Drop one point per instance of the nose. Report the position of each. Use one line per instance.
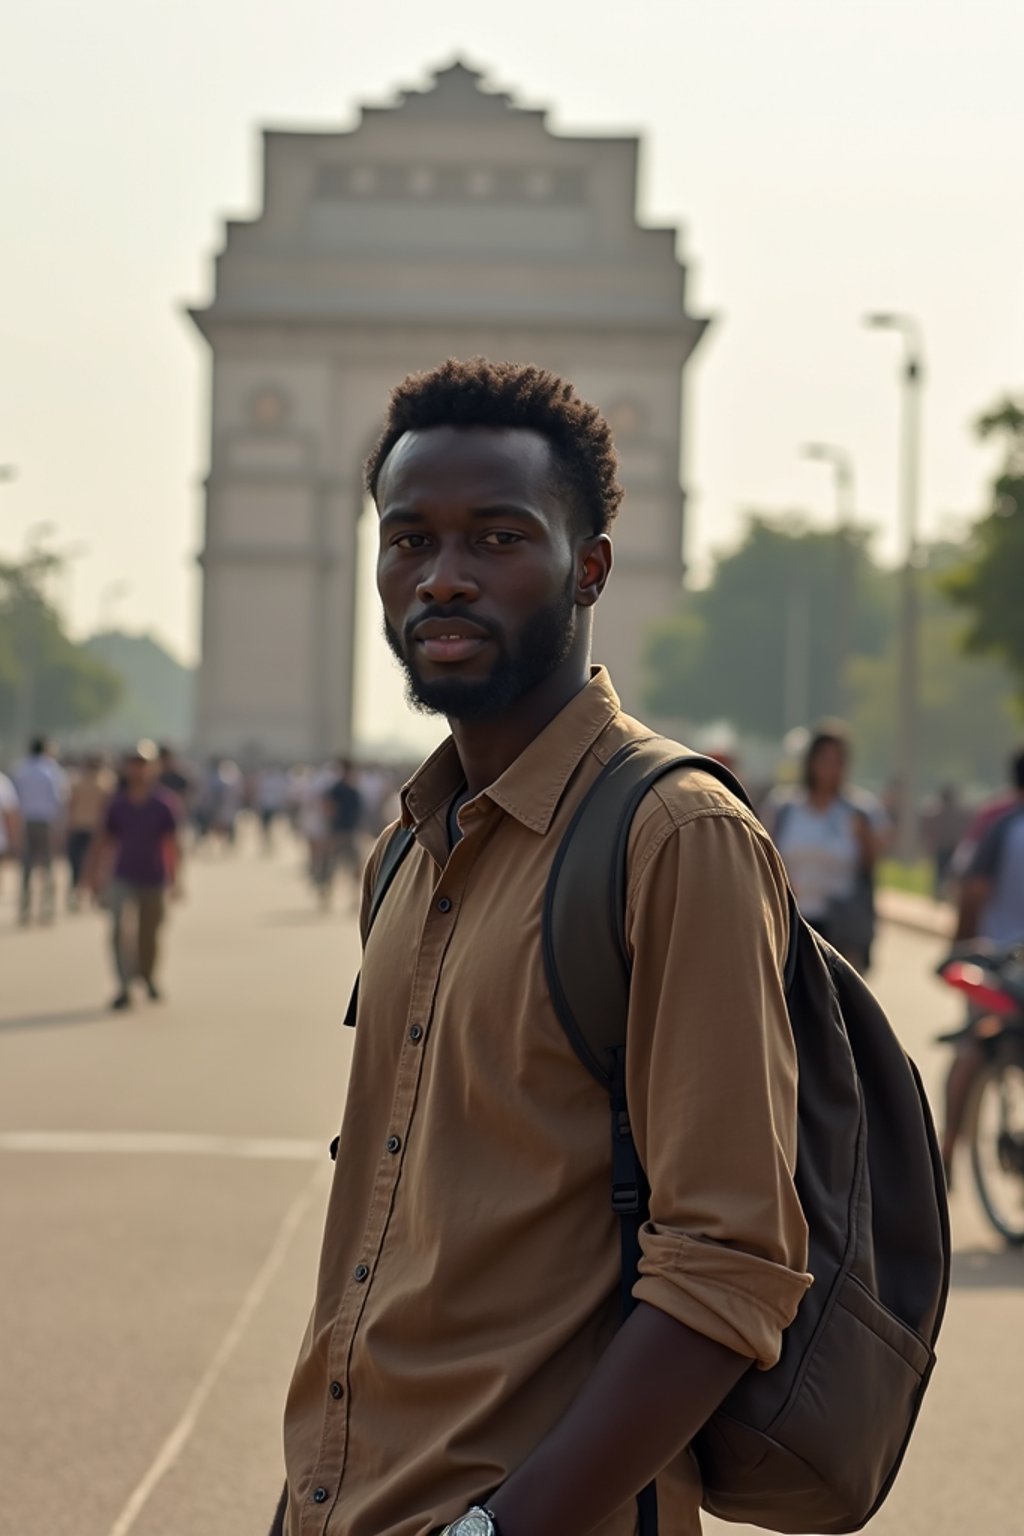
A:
(445, 580)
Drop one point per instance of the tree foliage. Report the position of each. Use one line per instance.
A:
(48, 683)
(722, 656)
(989, 584)
(724, 653)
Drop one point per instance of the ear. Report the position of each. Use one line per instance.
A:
(593, 567)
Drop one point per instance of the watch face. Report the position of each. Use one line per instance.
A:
(476, 1523)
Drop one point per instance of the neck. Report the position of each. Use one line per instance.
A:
(822, 797)
(487, 747)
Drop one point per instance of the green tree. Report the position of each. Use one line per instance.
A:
(728, 651)
(989, 584)
(723, 656)
(47, 682)
(967, 721)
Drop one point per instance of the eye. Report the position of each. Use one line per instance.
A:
(498, 537)
(409, 541)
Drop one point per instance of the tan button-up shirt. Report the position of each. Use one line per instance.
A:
(470, 1264)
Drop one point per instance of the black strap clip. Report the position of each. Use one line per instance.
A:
(625, 1199)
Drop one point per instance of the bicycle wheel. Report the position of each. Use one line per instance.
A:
(997, 1146)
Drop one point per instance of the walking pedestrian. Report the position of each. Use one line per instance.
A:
(140, 847)
(345, 812)
(463, 1366)
(172, 775)
(10, 821)
(315, 827)
(42, 790)
(91, 786)
(830, 836)
(272, 788)
(944, 822)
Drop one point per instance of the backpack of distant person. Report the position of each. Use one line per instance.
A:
(813, 1444)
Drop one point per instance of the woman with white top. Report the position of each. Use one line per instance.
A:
(830, 837)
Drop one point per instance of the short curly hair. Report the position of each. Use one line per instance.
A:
(478, 393)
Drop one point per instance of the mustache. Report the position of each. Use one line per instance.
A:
(451, 611)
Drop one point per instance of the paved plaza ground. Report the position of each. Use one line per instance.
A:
(162, 1183)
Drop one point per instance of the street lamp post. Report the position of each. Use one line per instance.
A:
(842, 469)
(910, 460)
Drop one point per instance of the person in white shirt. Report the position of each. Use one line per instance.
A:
(10, 820)
(830, 836)
(42, 789)
(272, 788)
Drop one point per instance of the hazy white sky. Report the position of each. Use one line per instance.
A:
(822, 157)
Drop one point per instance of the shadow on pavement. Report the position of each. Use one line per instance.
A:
(55, 1020)
(988, 1269)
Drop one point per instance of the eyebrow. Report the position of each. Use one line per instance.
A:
(500, 509)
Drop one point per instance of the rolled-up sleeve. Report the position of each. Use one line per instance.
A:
(711, 1081)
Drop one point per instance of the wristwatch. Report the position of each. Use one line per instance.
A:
(476, 1522)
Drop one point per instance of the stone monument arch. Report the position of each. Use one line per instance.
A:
(453, 223)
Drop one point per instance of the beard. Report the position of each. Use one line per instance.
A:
(541, 648)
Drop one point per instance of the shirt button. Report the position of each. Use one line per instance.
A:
(336, 1390)
(416, 1034)
(394, 1143)
(444, 905)
(360, 1273)
(319, 1495)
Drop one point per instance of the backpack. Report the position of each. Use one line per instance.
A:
(815, 1443)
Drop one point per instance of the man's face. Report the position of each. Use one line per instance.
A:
(477, 567)
(139, 773)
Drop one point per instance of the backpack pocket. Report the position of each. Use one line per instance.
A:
(829, 1458)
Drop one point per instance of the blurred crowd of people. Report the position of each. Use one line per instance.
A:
(831, 833)
(120, 825)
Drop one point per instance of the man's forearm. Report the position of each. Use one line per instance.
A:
(656, 1386)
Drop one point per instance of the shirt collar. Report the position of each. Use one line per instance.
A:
(531, 787)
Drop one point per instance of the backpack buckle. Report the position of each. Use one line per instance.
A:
(625, 1199)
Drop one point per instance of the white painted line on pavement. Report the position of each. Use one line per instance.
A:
(182, 1431)
(259, 1148)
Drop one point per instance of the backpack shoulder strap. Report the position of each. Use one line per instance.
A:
(585, 957)
(399, 843)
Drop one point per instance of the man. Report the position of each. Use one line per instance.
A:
(42, 789)
(464, 1347)
(140, 838)
(991, 909)
(344, 809)
(172, 776)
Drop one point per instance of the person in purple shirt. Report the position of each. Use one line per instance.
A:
(139, 846)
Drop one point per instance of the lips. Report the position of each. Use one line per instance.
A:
(449, 640)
